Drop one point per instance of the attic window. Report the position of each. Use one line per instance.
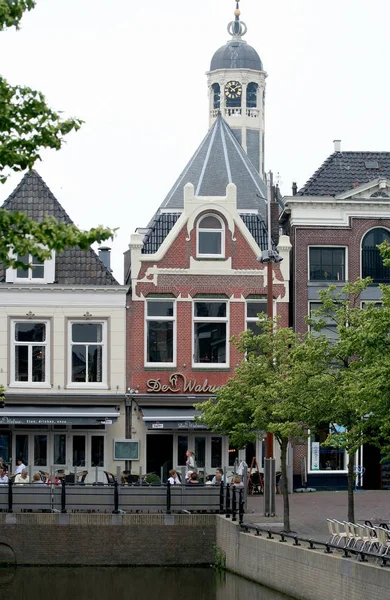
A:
(371, 164)
(37, 271)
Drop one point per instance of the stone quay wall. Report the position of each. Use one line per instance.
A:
(107, 540)
(298, 572)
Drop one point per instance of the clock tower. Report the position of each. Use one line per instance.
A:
(237, 90)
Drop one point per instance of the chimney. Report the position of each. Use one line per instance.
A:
(337, 145)
(105, 257)
(294, 188)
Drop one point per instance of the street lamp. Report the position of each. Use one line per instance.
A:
(270, 256)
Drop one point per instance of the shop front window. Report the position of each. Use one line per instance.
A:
(40, 450)
(79, 451)
(233, 455)
(21, 448)
(200, 451)
(97, 451)
(182, 447)
(216, 452)
(59, 456)
(326, 458)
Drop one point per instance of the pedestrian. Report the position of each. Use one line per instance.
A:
(190, 462)
(20, 466)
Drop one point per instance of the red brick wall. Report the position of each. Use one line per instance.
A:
(303, 237)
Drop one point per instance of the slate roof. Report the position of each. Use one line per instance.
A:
(236, 55)
(343, 171)
(220, 160)
(73, 266)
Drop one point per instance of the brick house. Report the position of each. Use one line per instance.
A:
(194, 276)
(62, 357)
(336, 221)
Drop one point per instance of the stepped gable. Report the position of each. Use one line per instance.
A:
(73, 266)
(342, 171)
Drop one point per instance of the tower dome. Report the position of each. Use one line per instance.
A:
(236, 54)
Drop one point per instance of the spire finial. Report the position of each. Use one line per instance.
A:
(237, 28)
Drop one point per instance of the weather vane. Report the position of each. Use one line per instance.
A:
(237, 28)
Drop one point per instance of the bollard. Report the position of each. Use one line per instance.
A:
(63, 496)
(234, 504)
(116, 499)
(227, 502)
(241, 507)
(168, 498)
(221, 498)
(140, 475)
(10, 496)
(269, 487)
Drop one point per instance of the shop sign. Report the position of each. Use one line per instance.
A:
(315, 456)
(54, 421)
(178, 383)
(191, 425)
(157, 425)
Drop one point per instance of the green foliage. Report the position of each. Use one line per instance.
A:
(22, 235)
(11, 12)
(219, 555)
(28, 125)
(152, 478)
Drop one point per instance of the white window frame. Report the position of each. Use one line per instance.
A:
(328, 246)
(48, 272)
(89, 385)
(309, 310)
(325, 471)
(221, 231)
(256, 319)
(211, 366)
(171, 319)
(30, 384)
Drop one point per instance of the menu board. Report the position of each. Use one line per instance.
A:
(126, 450)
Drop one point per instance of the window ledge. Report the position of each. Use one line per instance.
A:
(27, 385)
(163, 367)
(327, 472)
(87, 386)
(205, 369)
(326, 283)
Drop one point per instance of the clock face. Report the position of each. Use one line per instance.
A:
(233, 90)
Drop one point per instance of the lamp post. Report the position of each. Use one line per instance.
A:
(270, 257)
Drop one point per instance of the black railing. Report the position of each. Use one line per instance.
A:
(116, 498)
(372, 266)
(329, 548)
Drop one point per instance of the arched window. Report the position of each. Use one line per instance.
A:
(216, 95)
(372, 261)
(210, 237)
(251, 95)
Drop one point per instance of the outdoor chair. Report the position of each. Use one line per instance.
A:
(111, 479)
(333, 535)
(366, 537)
(342, 535)
(383, 541)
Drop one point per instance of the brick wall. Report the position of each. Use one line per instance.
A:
(298, 572)
(82, 539)
(303, 237)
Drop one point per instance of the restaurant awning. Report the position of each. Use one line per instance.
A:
(172, 418)
(58, 415)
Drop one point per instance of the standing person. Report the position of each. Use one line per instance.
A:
(3, 477)
(173, 478)
(20, 466)
(190, 463)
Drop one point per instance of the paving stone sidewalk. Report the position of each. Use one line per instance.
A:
(309, 511)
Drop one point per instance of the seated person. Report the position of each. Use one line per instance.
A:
(217, 479)
(237, 483)
(37, 479)
(174, 478)
(218, 472)
(22, 478)
(3, 477)
(193, 479)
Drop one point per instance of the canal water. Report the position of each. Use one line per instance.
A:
(128, 583)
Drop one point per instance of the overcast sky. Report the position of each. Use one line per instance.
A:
(135, 72)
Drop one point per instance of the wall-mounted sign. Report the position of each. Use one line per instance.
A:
(178, 383)
(126, 450)
(315, 456)
(157, 425)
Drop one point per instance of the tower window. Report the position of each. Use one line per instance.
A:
(210, 237)
(251, 95)
(216, 95)
(233, 93)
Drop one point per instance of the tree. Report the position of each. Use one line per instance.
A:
(281, 376)
(27, 126)
(358, 372)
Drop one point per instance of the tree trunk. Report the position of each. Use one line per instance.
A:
(286, 500)
(351, 488)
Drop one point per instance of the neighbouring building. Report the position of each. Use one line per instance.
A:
(194, 276)
(62, 356)
(336, 222)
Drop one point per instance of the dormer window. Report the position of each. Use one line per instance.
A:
(37, 271)
(210, 237)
